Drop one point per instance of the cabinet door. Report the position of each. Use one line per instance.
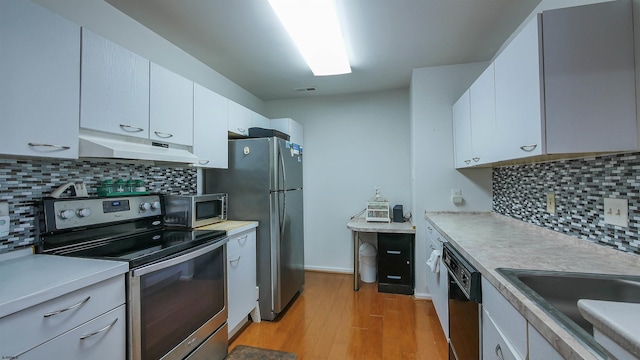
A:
(101, 338)
(494, 343)
(539, 347)
(437, 281)
(241, 270)
(115, 88)
(39, 82)
(260, 121)
(395, 262)
(519, 115)
(482, 102)
(240, 119)
(505, 317)
(462, 131)
(589, 79)
(171, 107)
(210, 113)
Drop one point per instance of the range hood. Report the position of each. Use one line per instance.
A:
(114, 147)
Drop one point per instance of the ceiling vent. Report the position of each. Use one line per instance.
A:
(306, 89)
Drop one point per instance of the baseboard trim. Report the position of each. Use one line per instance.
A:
(329, 269)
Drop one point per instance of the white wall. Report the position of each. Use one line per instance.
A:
(433, 92)
(107, 21)
(351, 145)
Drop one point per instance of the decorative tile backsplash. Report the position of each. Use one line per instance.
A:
(23, 181)
(580, 185)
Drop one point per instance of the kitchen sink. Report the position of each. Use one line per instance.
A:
(557, 293)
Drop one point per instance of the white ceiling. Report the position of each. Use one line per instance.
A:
(386, 39)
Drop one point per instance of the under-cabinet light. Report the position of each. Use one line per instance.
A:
(313, 26)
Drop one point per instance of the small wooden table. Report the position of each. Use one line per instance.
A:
(358, 225)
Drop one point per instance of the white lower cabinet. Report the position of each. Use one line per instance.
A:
(241, 278)
(100, 338)
(505, 326)
(64, 327)
(539, 347)
(494, 343)
(437, 281)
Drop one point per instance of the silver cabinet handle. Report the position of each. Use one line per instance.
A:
(394, 277)
(236, 260)
(442, 241)
(467, 162)
(67, 309)
(528, 148)
(476, 159)
(394, 252)
(84, 337)
(163, 135)
(203, 162)
(499, 352)
(132, 129)
(60, 147)
(242, 130)
(432, 247)
(243, 240)
(430, 228)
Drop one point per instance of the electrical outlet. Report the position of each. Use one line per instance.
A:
(456, 196)
(551, 203)
(616, 212)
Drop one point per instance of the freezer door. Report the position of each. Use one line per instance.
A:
(287, 248)
(288, 165)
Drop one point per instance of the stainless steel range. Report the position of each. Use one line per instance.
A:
(176, 285)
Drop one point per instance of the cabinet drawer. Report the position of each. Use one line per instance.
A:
(31, 327)
(239, 242)
(100, 338)
(494, 344)
(506, 318)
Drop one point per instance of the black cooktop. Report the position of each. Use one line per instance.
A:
(146, 247)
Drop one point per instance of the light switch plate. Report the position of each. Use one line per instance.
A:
(616, 212)
(551, 203)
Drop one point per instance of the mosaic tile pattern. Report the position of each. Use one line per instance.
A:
(580, 185)
(25, 180)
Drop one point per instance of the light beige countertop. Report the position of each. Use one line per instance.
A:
(232, 227)
(490, 241)
(30, 279)
(362, 225)
(618, 321)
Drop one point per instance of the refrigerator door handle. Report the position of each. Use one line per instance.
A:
(283, 219)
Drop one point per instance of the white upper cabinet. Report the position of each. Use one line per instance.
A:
(40, 82)
(462, 131)
(294, 129)
(115, 88)
(260, 121)
(564, 85)
(170, 107)
(589, 78)
(240, 119)
(210, 115)
(518, 96)
(482, 103)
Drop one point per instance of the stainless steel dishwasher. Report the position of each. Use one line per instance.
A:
(465, 306)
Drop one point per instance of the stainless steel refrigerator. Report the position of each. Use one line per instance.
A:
(264, 183)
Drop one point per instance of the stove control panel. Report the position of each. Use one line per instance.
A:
(77, 212)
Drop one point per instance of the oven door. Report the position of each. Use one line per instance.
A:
(177, 304)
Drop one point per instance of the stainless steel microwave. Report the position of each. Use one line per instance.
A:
(192, 211)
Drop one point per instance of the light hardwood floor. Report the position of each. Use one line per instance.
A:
(331, 321)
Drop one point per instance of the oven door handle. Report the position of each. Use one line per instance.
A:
(178, 259)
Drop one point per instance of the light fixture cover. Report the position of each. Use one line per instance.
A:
(313, 26)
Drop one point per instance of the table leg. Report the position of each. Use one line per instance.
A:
(356, 267)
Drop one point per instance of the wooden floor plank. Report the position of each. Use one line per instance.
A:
(329, 320)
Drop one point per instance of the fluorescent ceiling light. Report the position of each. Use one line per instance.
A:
(313, 26)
